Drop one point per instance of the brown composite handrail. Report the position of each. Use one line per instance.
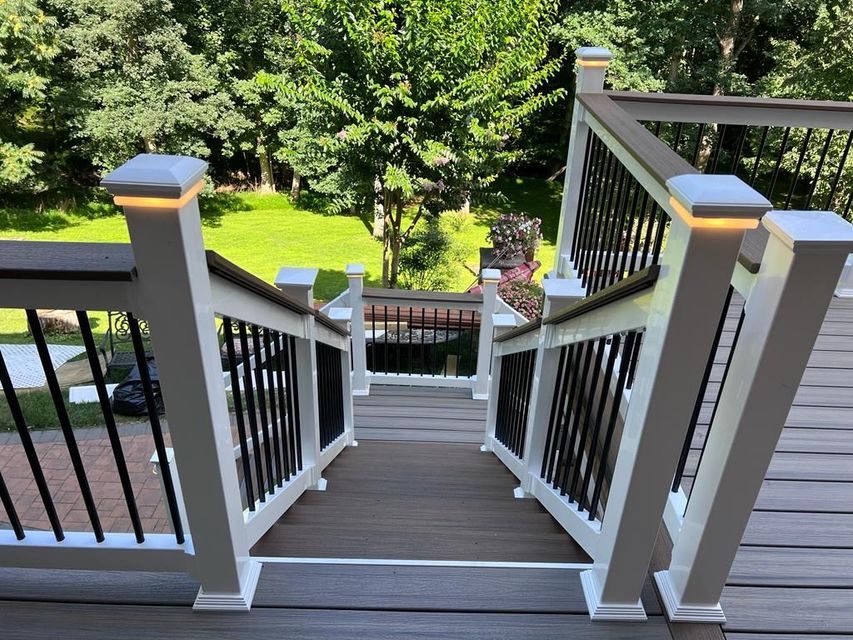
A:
(406, 295)
(644, 146)
(227, 270)
(93, 261)
(636, 282)
(687, 99)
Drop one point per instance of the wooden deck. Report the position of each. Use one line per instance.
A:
(793, 575)
(422, 501)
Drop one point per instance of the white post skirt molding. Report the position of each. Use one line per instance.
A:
(158, 194)
(802, 261)
(591, 64)
(686, 303)
(845, 282)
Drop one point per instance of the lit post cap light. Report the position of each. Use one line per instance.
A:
(490, 275)
(593, 56)
(716, 201)
(156, 181)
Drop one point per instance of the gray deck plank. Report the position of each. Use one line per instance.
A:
(798, 466)
(419, 501)
(411, 588)
(800, 440)
(768, 528)
(792, 495)
(795, 611)
(805, 567)
(28, 620)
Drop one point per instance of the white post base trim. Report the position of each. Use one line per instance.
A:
(231, 601)
(602, 611)
(479, 396)
(320, 486)
(360, 392)
(354, 443)
(680, 612)
(520, 494)
(485, 448)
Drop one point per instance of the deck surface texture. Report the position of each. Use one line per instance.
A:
(419, 414)
(317, 602)
(793, 575)
(418, 500)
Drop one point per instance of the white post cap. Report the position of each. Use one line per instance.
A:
(354, 270)
(296, 277)
(152, 175)
(563, 288)
(811, 231)
(717, 196)
(490, 275)
(593, 54)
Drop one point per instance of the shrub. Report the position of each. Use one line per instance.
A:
(514, 234)
(525, 296)
(429, 259)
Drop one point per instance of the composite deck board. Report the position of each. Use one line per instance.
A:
(779, 528)
(800, 497)
(804, 567)
(800, 440)
(28, 620)
(419, 414)
(419, 501)
(826, 467)
(788, 610)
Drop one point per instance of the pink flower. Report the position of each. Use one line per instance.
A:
(342, 134)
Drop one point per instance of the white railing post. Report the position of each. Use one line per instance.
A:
(490, 279)
(158, 194)
(591, 67)
(709, 216)
(802, 261)
(355, 278)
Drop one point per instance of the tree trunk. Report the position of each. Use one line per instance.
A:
(295, 185)
(675, 66)
(396, 244)
(267, 179)
(149, 145)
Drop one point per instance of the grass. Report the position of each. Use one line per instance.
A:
(260, 233)
(38, 410)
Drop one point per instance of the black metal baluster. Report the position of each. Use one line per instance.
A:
(283, 407)
(839, 172)
(803, 149)
(676, 138)
(738, 150)
(587, 414)
(11, 512)
(411, 356)
(639, 233)
(700, 398)
(397, 371)
(718, 149)
(650, 233)
(819, 169)
(614, 273)
(630, 231)
(446, 339)
(249, 395)
(778, 165)
(424, 369)
(758, 155)
(472, 358)
(565, 415)
(292, 406)
(434, 336)
(603, 397)
(64, 422)
(607, 176)
(633, 359)
(228, 332)
(110, 424)
(661, 220)
(518, 360)
(156, 428)
(599, 278)
(385, 336)
(593, 191)
(572, 457)
(580, 218)
(297, 418)
(602, 244)
(373, 339)
(700, 135)
(271, 393)
(611, 423)
(459, 344)
(717, 401)
(29, 450)
(262, 407)
(510, 398)
(558, 386)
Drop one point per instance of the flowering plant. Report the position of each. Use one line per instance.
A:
(525, 296)
(514, 234)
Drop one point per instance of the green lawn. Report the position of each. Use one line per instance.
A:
(261, 233)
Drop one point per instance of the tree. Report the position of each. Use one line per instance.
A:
(139, 87)
(27, 48)
(413, 102)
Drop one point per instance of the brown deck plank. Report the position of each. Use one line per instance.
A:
(805, 567)
(788, 610)
(419, 501)
(28, 620)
